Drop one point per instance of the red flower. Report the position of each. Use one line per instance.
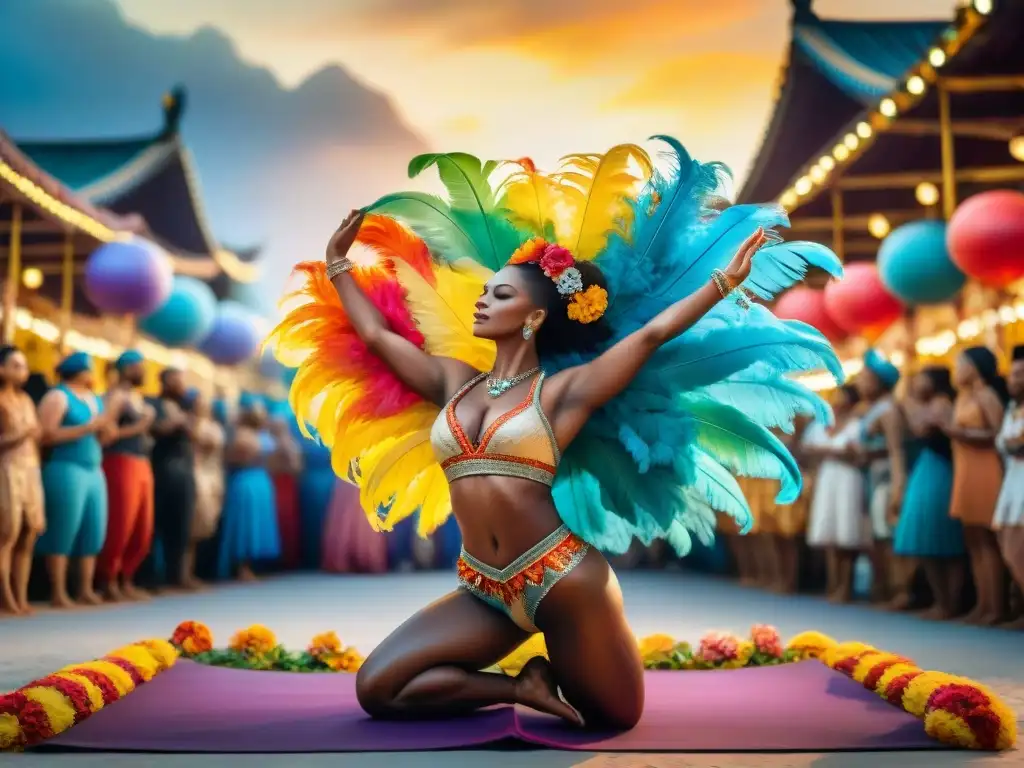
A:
(72, 691)
(555, 260)
(128, 667)
(107, 688)
(872, 677)
(894, 691)
(972, 706)
(35, 723)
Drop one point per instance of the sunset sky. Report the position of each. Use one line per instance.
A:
(538, 77)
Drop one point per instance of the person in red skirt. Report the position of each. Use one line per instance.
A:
(285, 466)
(129, 477)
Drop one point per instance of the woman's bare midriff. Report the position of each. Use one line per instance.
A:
(502, 517)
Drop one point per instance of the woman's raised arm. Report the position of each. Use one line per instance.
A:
(586, 388)
(433, 378)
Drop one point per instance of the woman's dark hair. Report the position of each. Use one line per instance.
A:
(940, 379)
(985, 363)
(6, 350)
(851, 392)
(560, 335)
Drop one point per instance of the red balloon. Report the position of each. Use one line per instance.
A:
(808, 306)
(859, 303)
(985, 237)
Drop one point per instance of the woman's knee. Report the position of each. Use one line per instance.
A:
(374, 689)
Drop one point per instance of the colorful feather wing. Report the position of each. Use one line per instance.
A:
(535, 202)
(360, 409)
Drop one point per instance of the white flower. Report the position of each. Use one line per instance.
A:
(570, 282)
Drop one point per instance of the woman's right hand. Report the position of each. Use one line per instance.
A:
(342, 239)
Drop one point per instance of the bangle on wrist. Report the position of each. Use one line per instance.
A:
(339, 267)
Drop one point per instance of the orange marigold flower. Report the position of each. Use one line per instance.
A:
(589, 305)
(254, 641)
(192, 637)
(323, 644)
(348, 660)
(529, 251)
(653, 644)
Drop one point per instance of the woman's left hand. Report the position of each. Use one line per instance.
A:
(739, 268)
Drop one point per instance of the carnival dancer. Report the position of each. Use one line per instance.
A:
(285, 465)
(72, 420)
(22, 517)
(977, 417)
(129, 477)
(174, 478)
(208, 450)
(316, 484)
(925, 533)
(881, 446)
(1009, 518)
(249, 532)
(590, 367)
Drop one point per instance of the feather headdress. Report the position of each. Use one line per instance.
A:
(661, 458)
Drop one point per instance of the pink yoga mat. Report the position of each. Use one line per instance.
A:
(200, 709)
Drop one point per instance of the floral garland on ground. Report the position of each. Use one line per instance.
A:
(956, 711)
(52, 704)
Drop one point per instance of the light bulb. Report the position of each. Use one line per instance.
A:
(788, 199)
(840, 152)
(936, 57)
(818, 174)
(888, 107)
(984, 7)
(878, 225)
(864, 130)
(803, 185)
(827, 163)
(851, 141)
(1017, 148)
(32, 278)
(916, 85)
(927, 193)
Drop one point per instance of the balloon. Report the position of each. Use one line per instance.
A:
(986, 237)
(808, 306)
(915, 266)
(133, 277)
(233, 339)
(186, 317)
(859, 302)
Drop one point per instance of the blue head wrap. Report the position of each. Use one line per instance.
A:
(74, 364)
(191, 395)
(128, 358)
(220, 412)
(248, 401)
(886, 372)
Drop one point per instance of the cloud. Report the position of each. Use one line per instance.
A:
(276, 163)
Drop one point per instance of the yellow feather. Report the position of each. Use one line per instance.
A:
(596, 190)
(444, 315)
(535, 201)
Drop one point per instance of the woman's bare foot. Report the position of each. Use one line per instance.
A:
(936, 613)
(988, 620)
(900, 602)
(27, 609)
(113, 592)
(63, 601)
(1017, 623)
(88, 597)
(193, 584)
(8, 605)
(135, 593)
(536, 688)
(245, 574)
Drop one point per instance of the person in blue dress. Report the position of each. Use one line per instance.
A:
(926, 535)
(316, 484)
(249, 532)
(72, 421)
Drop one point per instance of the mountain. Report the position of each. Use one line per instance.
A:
(278, 166)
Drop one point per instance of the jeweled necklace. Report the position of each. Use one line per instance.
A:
(497, 387)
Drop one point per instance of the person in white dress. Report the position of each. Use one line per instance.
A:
(838, 519)
(1008, 521)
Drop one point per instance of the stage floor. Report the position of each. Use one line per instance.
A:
(363, 609)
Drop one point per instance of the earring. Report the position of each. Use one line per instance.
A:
(527, 331)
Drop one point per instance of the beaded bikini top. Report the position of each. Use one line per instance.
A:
(519, 443)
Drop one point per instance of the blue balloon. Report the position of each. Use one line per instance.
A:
(133, 277)
(186, 317)
(914, 264)
(234, 338)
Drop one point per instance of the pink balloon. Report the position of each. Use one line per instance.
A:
(808, 306)
(859, 303)
(985, 237)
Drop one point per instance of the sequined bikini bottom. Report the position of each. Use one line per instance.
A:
(518, 588)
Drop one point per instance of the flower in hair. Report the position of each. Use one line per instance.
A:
(588, 306)
(529, 251)
(555, 260)
(570, 281)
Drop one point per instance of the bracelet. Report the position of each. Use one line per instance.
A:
(721, 282)
(339, 267)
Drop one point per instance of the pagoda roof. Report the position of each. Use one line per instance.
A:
(152, 176)
(832, 70)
